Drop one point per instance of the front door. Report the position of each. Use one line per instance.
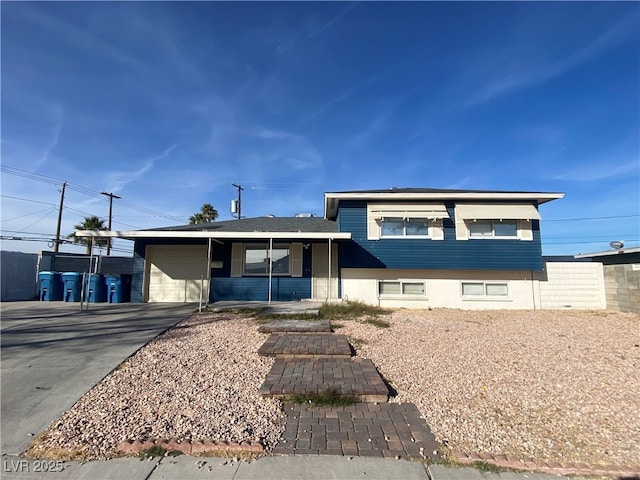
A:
(320, 271)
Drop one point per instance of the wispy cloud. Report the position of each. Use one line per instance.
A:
(53, 143)
(341, 98)
(519, 78)
(79, 37)
(283, 149)
(118, 180)
(327, 25)
(600, 171)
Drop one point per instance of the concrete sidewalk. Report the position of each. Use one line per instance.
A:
(268, 468)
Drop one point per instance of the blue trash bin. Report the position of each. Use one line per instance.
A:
(118, 288)
(95, 290)
(72, 286)
(51, 286)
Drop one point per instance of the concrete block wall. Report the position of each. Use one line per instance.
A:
(622, 287)
(577, 285)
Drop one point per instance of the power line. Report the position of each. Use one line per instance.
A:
(28, 200)
(26, 215)
(588, 218)
(81, 189)
(576, 243)
(41, 218)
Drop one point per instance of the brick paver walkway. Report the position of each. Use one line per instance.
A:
(305, 345)
(311, 363)
(364, 429)
(357, 377)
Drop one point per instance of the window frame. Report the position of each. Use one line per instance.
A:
(485, 295)
(405, 220)
(493, 235)
(265, 247)
(401, 294)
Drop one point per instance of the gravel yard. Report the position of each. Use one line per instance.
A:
(198, 381)
(551, 385)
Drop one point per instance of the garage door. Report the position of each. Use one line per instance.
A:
(175, 273)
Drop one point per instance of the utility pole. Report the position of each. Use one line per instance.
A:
(56, 247)
(239, 200)
(111, 197)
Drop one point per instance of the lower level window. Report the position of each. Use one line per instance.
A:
(400, 287)
(484, 289)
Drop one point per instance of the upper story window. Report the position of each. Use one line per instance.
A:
(493, 229)
(404, 227)
(495, 221)
(405, 220)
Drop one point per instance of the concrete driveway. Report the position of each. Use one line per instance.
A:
(52, 353)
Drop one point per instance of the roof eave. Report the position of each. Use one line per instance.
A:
(140, 234)
(539, 197)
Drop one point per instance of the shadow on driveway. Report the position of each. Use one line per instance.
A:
(52, 353)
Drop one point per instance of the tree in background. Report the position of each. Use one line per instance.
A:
(90, 223)
(207, 214)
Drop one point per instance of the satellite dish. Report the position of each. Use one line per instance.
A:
(618, 244)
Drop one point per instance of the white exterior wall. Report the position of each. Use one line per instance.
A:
(577, 285)
(443, 288)
(562, 285)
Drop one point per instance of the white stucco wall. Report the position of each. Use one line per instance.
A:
(443, 288)
(561, 285)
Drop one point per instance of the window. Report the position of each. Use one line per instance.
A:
(256, 260)
(496, 220)
(493, 229)
(401, 288)
(404, 227)
(484, 289)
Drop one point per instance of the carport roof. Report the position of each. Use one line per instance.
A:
(246, 228)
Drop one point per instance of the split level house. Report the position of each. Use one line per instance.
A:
(401, 247)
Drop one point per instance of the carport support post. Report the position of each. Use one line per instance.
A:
(329, 270)
(270, 266)
(209, 271)
(87, 282)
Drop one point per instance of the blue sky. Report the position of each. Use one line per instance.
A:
(166, 104)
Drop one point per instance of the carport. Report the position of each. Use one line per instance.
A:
(265, 258)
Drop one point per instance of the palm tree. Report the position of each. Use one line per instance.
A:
(207, 214)
(90, 223)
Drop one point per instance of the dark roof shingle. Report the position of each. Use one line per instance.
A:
(261, 224)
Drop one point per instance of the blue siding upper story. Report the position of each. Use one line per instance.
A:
(450, 254)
